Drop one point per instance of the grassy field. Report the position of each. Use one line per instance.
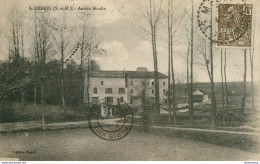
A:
(202, 113)
(233, 115)
(235, 122)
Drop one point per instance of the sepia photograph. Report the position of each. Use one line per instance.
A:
(130, 80)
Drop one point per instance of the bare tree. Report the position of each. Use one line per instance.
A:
(17, 49)
(35, 58)
(42, 48)
(213, 98)
(84, 18)
(62, 41)
(153, 16)
(172, 70)
(169, 61)
(62, 48)
(90, 47)
(171, 76)
(208, 63)
(13, 79)
(189, 54)
(191, 69)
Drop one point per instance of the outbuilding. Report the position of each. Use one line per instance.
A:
(200, 97)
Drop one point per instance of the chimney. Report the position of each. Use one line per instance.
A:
(126, 79)
(141, 69)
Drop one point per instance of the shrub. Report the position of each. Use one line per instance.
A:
(8, 115)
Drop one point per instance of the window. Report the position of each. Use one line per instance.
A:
(163, 90)
(132, 83)
(131, 101)
(102, 82)
(121, 91)
(120, 99)
(108, 90)
(152, 91)
(164, 83)
(109, 100)
(132, 91)
(143, 83)
(95, 90)
(95, 99)
(152, 83)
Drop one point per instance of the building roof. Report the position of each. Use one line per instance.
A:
(130, 74)
(198, 92)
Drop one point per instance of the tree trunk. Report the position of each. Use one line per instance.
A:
(62, 95)
(172, 70)
(34, 99)
(153, 18)
(81, 102)
(88, 74)
(156, 81)
(226, 86)
(173, 98)
(244, 83)
(188, 80)
(213, 116)
(62, 75)
(169, 61)
(252, 80)
(22, 72)
(191, 69)
(88, 85)
(42, 94)
(173, 86)
(34, 96)
(22, 98)
(42, 106)
(223, 91)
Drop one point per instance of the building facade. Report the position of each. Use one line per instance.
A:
(128, 86)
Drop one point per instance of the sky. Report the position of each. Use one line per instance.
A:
(119, 30)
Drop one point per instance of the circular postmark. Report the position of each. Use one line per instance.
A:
(111, 119)
(232, 22)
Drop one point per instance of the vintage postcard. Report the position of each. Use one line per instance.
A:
(129, 80)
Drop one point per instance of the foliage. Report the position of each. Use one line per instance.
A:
(52, 87)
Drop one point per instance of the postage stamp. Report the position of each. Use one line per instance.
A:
(111, 121)
(234, 25)
(227, 24)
